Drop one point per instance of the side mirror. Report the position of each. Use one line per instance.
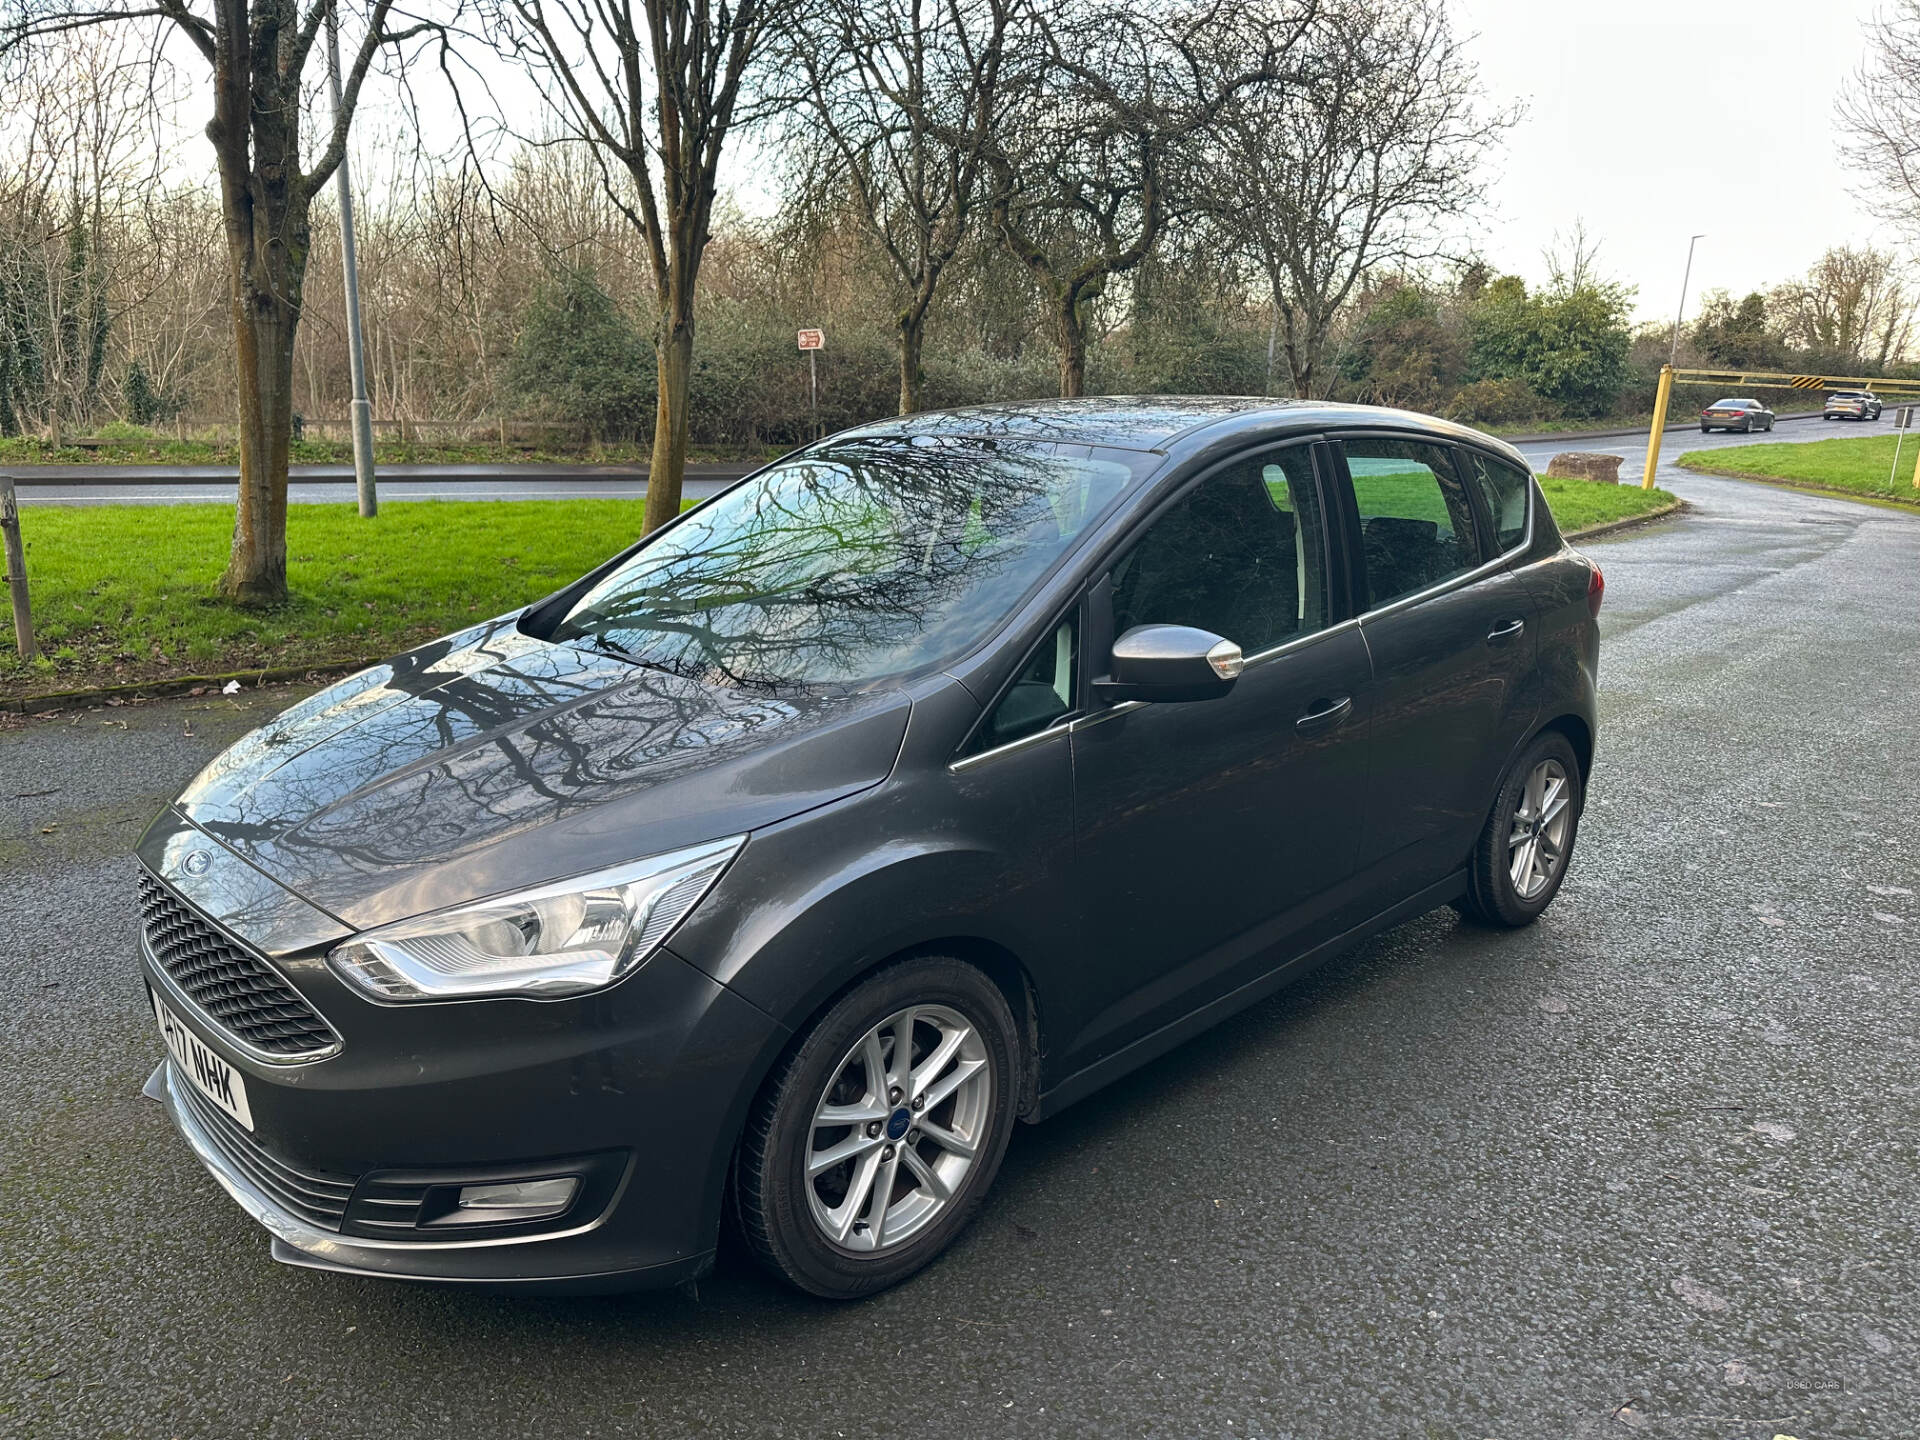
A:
(1170, 662)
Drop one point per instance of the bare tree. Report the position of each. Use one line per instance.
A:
(79, 165)
(654, 90)
(1364, 162)
(1852, 309)
(1881, 107)
(1082, 165)
(899, 100)
(256, 52)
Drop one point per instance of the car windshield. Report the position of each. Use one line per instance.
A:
(871, 557)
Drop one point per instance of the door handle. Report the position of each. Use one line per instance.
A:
(1332, 713)
(1500, 634)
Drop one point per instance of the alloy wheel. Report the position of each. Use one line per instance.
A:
(1537, 844)
(898, 1128)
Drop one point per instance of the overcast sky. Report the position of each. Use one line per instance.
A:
(1653, 119)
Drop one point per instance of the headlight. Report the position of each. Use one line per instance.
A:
(560, 939)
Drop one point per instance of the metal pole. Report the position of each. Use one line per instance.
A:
(1273, 336)
(1673, 354)
(813, 388)
(1659, 425)
(1903, 415)
(16, 577)
(350, 267)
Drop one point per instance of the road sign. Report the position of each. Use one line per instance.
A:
(1903, 418)
(813, 339)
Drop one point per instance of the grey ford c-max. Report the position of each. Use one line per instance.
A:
(925, 781)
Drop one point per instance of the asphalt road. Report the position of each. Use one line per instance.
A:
(333, 484)
(1648, 1167)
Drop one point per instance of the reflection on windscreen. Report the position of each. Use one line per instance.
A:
(871, 558)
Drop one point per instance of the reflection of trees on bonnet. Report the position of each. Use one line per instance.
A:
(876, 556)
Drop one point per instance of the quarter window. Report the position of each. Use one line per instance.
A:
(1241, 555)
(1042, 693)
(1507, 490)
(1416, 524)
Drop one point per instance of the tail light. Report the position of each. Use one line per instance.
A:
(1596, 592)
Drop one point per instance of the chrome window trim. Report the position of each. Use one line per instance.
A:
(180, 1000)
(1058, 727)
(1086, 722)
(1273, 652)
(1452, 582)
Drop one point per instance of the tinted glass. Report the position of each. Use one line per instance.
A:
(1042, 693)
(1507, 490)
(1241, 555)
(1416, 525)
(872, 558)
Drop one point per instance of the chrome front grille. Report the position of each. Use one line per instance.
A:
(235, 989)
(315, 1196)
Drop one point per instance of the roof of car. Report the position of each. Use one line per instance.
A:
(1147, 422)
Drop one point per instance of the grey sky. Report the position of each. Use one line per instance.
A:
(1653, 119)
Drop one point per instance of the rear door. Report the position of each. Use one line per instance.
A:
(1449, 632)
(1209, 833)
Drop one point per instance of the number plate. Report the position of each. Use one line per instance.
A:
(213, 1077)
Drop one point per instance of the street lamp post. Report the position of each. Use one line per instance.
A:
(1673, 353)
(356, 349)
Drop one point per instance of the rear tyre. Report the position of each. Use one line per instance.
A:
(872, 1145)
(1522, 855)
(1705, 428)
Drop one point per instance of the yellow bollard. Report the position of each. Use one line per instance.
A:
(1660, 425)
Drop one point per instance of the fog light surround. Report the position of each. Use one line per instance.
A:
(506, 1201)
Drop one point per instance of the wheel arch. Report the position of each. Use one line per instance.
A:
(1579, 735)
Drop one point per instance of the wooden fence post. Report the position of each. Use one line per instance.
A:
(16, 554)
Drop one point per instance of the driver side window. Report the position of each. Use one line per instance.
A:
(1241, 555)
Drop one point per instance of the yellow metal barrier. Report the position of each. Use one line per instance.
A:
(1759, 380)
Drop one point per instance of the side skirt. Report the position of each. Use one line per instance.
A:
(1083, 1083)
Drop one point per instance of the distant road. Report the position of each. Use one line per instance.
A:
(333, 484)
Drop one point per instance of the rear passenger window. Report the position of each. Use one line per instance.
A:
(1416, 523)
(1506, 489)
(1241, 555)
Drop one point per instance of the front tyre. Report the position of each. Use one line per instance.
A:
(1521, 856)
(872, 1145)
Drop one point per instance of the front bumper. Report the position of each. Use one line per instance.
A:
(644, 1086)
(294, 1242)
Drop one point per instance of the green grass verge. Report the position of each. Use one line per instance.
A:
(1581, 505)
(122, 594)
(1857, 466)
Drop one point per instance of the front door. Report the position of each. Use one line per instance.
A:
(1210, 832)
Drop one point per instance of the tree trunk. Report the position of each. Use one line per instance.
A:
(1073, 348)
(911, 326)
(674, 357)
(263, 331)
